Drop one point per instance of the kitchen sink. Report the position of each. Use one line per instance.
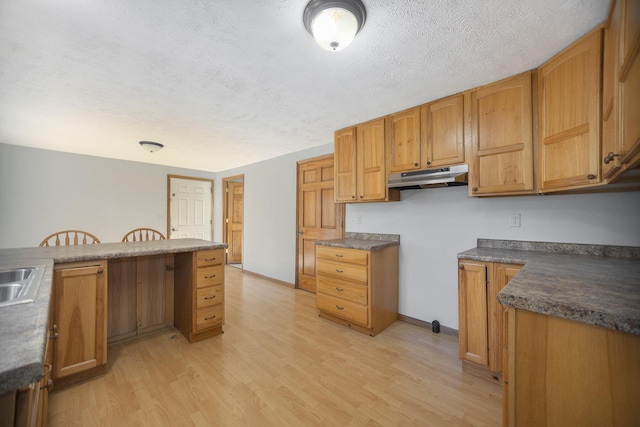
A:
(20, 285)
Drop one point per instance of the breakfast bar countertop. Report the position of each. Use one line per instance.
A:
(24, 330)
(363, 241)
(594, 284)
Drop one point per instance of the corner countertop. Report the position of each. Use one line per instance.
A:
(363, 241)
(594, 284)
(24, 327)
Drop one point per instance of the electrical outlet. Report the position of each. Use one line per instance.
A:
(359, 219)
(514, 220)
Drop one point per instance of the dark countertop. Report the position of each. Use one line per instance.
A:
(577, 282)
(363, 241)
(24, 327)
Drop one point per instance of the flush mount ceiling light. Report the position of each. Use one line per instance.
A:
(151, 146)
(334, 23)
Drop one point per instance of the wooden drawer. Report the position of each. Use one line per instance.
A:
(209, 317)
(209, 276)
(342, 270)
(342, 308)
(212, 295)
(342, 289)
(351, 256)
(212, 257)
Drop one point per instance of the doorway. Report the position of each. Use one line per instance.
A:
(189, 207)
(318, 216)
(233, 218)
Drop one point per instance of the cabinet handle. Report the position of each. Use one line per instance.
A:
(339, 271)
(591, 176)
(353, 197)
(209, 318)
(461, 266)
(210, 297)
(416, 164)
(610, 157)
(428, 163)
(361, 197)
(210, 259)
(339, 289)
(339, 255)
(339, 308)
(475, 188)
(209, 277)
(100, 271)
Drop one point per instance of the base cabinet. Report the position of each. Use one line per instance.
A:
(199, 293)
(79, 321)
(481, 318)
(358, 288)
(556, 378)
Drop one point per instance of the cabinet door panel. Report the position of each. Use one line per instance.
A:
(372, 177)
(443, 135)
(341, 289)
(340, 270)
(343, 308)
(405, 141)
(502, 274)
(345, 165)
(472, 299)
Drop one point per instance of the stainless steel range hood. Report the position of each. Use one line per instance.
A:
(428, 178)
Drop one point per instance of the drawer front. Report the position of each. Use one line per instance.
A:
(212, 295)
(210, 276)
(351, 256)
(342, 289)
(342, 308)
(212, 257)
(209, 317)
(342, 270)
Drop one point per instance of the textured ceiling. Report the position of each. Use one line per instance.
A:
(225, 83)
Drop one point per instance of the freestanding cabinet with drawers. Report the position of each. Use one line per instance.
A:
(358, 288)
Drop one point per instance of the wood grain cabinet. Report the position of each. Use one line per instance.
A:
(501, 138)
(621, 90)
(428, 136)
(360, 164)
(481, 318)
(199, 293)
(358, 288)
(79, 321)
(569, 115)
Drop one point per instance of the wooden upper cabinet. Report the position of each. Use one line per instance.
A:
(345, 164)
(501, 138)
(404, 141)
(443, 132)
(569, 116)
(428, 136)
(610, 94)
(360, 163)
(629, 77)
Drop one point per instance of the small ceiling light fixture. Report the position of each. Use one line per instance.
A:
(334, 23)
(151, 146)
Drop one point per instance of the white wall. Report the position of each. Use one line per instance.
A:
(43, 191)
(436, 224)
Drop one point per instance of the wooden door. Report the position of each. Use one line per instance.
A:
(345, 165)
(569, 116)
(80, 318)
(371, 181)
(404, 143)
(501, 138)
(319, 217)
(234, 220)
(472, 311)
(500, 276)
(190, 207)
(443, 132)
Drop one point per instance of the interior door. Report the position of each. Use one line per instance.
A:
(234, 219)
(190, 208)
(319, 217)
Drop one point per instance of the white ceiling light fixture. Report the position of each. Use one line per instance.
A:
(151, 146)
(334, 23)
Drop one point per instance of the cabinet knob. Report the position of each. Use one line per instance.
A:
(361, 197)
(353, 197)
(475, 188)
(610, 157)
(100, 271)
(461, 266)
(591, 176)
(416, 164)
(428, 163)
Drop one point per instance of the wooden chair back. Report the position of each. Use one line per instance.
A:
(140, 234)
(70, 238)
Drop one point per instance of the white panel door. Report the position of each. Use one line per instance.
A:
(190, 208)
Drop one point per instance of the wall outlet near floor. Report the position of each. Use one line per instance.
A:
(514, 220)
(358, 219)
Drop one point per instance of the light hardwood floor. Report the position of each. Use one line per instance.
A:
(279, 364)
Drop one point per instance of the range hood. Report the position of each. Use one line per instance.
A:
(428, 178)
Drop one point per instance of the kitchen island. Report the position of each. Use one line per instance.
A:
(572, 332)
(25, 333)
